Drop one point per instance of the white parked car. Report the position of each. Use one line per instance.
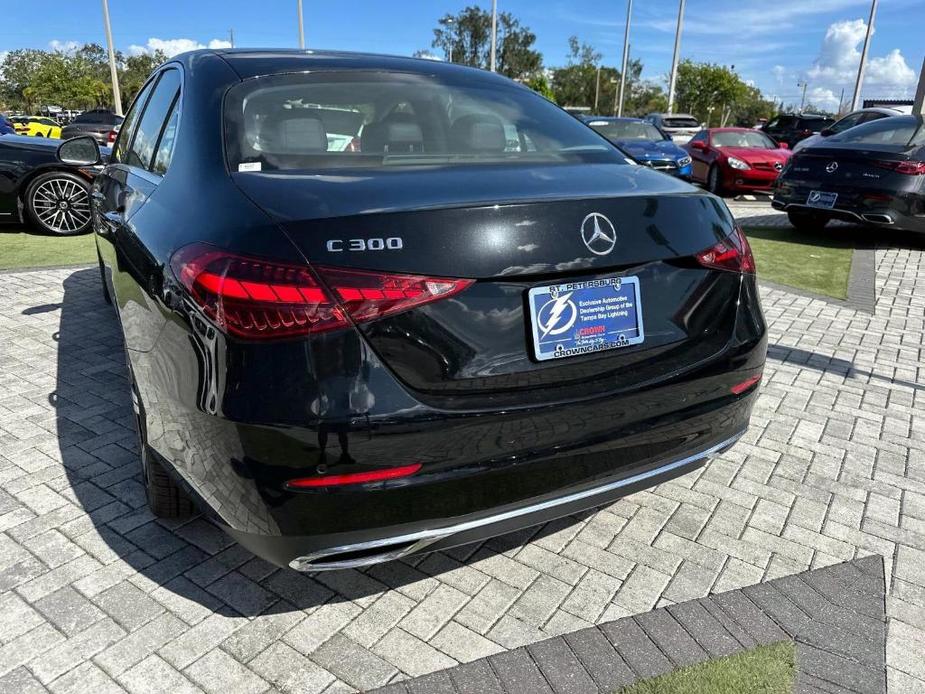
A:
(680, 126)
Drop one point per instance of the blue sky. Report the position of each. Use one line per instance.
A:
(774, 43)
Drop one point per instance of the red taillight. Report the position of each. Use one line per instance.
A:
(111, 137)
(732, 253)
(354, 477)
(910, 168)
(740, 388)
(370, 295)
(259, 299)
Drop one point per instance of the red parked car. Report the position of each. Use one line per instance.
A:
(736, 160)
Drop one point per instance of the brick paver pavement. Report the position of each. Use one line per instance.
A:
(95, 595)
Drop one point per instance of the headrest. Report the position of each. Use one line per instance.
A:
(396, 133)
(477, 132)
(291, 132)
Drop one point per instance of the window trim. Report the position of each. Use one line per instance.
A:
(175, 107)
(131, 133)
(146, 171)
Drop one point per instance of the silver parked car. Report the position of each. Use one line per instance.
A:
(864, 115)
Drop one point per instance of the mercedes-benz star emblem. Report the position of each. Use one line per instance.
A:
(832, 166)
(778, 166)
(598, 234)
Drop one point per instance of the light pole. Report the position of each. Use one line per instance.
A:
(626, 53)
(113, 72)
(674, 60)
(803, 97)
(494, 32)
(448, 22)
(613, 81)
(301, 28)
(597, 88)
(855, 102)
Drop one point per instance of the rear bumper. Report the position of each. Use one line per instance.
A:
(308, 557)
(904, 211)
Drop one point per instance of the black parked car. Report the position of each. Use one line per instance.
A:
(476, 317)
(791, 128)
(97, 123)
(873, 173)
(36, 187)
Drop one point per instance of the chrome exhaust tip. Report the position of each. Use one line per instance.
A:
(878, 218)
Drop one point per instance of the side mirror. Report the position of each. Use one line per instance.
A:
(783, 145)
(80, 151)
(698, 144)
(825, 132)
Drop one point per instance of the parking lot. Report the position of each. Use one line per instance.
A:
(98, 596)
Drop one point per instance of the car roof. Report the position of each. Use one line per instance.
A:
(673, 115)
(733, 130)
(253, 62)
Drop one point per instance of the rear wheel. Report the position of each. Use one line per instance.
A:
(166, 498)
(714, 181)
(59, 203)
(807, 221)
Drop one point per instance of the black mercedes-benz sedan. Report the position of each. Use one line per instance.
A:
(37, 188)
(376, 306)
(873, 173)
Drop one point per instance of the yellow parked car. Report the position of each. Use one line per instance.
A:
(37, 126)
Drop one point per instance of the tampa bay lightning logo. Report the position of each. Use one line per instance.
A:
(557, 315)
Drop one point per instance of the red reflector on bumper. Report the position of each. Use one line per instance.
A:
(354, 477)
(740, 388)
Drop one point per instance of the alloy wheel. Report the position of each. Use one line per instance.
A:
(61, 205)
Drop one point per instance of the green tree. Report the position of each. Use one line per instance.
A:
(541, 86)
(135, 72)
(467, 39)
(716, 95)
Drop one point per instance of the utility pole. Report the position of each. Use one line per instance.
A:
(803, 97)
(919, 107)
(494, 32)
(626, 53)
(616, 94)
(231, 37)
(674, 61)
(113, 72)
(860, 81)
(301, 28)
(841, 101)
(597, 88)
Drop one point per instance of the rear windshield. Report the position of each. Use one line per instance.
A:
(905, 131)
(96, 117)
(335, 120)
(743, 138)
(816, 123)
(627, 130)
(680, 123)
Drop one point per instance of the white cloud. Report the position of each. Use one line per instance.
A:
(840, 56)
(822, 97)
(779, 71)
(63, 46)
(172, 47)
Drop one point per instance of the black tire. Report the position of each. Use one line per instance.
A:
(807, 221)
(166, 498)
(58, 203)
(714, 182)
(105, 288)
